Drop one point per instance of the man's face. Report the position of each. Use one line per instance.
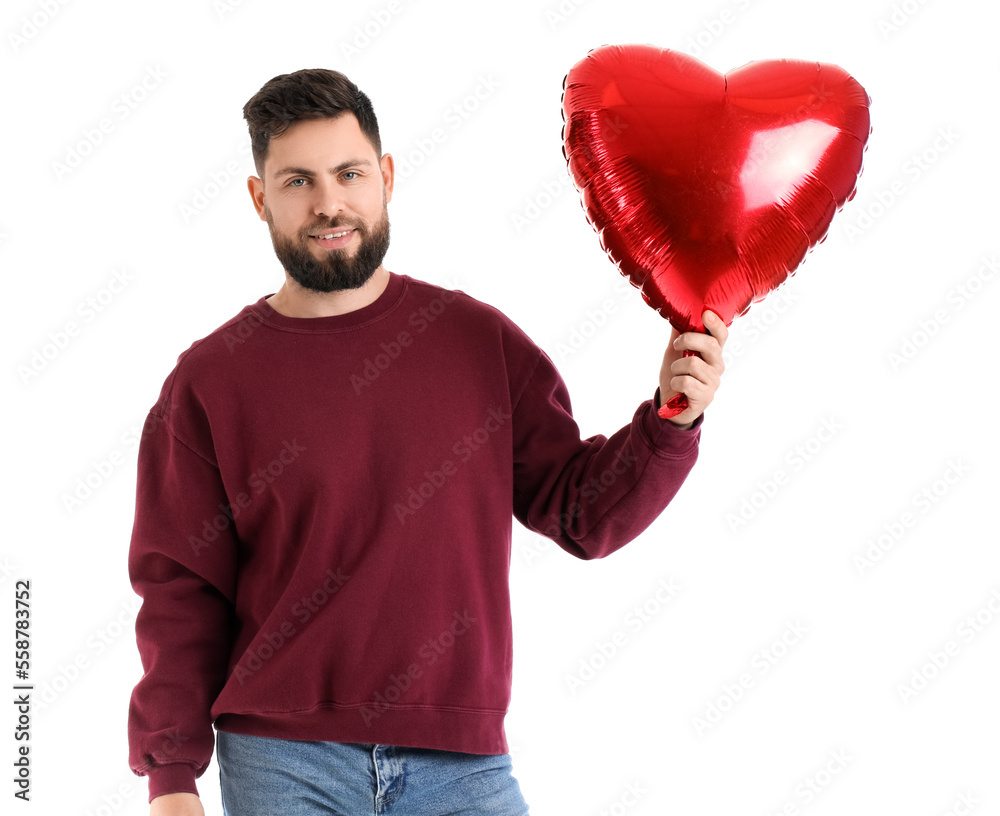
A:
(323, 177)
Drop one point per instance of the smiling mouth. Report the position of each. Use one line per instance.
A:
(334, 239)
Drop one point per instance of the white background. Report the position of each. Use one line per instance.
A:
(814, 357)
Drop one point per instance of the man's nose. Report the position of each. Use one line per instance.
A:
(328, 199)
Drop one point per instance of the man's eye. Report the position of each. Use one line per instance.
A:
(293, 184)
(351, 173)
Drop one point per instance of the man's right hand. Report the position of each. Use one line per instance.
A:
(176, 804)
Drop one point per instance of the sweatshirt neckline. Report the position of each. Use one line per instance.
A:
(379, 307)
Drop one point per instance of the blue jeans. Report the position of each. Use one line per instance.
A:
(264, 776)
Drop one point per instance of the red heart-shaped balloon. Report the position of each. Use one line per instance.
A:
(708, 190)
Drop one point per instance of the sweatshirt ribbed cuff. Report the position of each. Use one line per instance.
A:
(178, 777)
(665, 438)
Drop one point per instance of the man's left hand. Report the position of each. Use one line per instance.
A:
(695, 377)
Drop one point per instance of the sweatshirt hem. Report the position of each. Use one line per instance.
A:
(469, 731)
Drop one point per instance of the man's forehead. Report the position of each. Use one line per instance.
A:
(318, 144)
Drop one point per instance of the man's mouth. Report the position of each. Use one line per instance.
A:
(333, 239)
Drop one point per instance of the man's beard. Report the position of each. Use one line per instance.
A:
(336, 271)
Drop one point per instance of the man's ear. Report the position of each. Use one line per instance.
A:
(256, 188)
(388, 175)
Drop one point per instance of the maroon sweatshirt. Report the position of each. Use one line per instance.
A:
(322, 534)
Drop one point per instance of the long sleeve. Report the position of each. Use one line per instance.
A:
(592, 496)
(181, 561)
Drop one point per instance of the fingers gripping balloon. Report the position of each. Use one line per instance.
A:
(707, 190)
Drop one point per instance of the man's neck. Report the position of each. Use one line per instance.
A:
(292, 300)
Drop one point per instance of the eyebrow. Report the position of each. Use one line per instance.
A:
(303, 171)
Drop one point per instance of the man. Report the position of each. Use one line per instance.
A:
(324, 500)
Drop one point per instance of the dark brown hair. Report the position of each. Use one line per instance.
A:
(311, 93)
